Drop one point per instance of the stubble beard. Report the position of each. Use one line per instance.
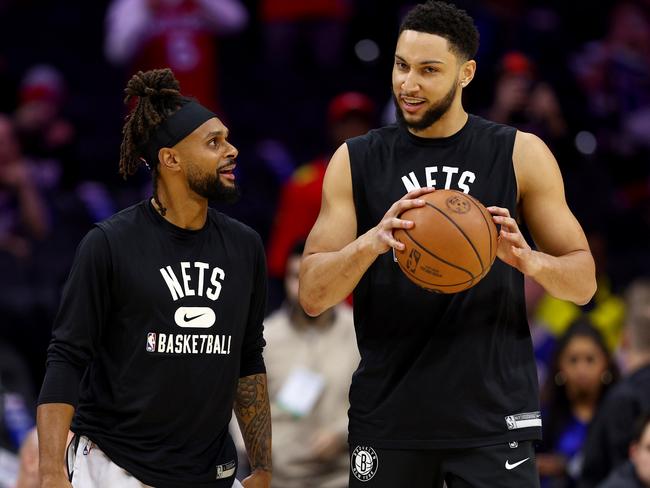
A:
(432, 115)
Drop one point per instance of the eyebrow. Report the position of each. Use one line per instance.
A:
(428, 61)
(216, 133)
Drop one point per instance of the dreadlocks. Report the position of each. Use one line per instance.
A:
(159, 96)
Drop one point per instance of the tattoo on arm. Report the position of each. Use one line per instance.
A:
(254, 416)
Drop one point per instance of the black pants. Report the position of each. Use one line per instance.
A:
(498, 466)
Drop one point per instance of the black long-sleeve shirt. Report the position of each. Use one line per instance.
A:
(155, 327)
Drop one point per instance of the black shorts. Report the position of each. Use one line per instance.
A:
(498, 466)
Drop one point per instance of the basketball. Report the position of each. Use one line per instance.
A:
(452, 245)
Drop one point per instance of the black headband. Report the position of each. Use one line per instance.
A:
(174, 129)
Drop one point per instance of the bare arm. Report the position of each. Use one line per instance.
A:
(254, 416)
(335, 258)
(53, 423)
(563, 264)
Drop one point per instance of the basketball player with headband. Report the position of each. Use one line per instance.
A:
(446, 390)
(159, 331)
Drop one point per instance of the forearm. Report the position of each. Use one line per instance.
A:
(569, 277)
(327, 278)
(53, 423)
(254, 416)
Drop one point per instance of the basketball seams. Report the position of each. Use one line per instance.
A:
(462, 232)
(473, 200)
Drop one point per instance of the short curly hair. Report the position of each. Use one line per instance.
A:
(445, 20)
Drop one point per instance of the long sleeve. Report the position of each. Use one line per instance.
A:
(79, 321)
(252, 361)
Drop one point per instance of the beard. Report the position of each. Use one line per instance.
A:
(432, 114)
(210, 186)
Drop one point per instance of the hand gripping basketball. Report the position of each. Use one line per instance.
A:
(381, 236)
(512, 248)
(452, 244)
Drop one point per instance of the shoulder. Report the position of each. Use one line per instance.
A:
(235, 229)
(374, 138)
(131, 218)
(481, 125)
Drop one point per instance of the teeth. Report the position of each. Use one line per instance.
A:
(412, 101)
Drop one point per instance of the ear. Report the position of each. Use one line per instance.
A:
(169, 159)
(467, 71)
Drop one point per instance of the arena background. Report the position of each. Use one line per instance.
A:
(276, 65)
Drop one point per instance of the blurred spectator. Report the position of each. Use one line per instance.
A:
(16, 411)
(635, 473)
(45, 134)
(23, 213)
(581, 373)
(349, 114)
(304, 33)
(309, 361)
(179, 34)
(615, 74)
(524, 101)
(611, 432)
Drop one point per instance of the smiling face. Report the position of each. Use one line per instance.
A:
(426, 78)
(208, 161)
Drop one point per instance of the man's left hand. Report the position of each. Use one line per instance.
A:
(259, 479)
(512, 248)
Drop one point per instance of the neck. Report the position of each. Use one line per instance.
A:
(447, 125)
(185, 209)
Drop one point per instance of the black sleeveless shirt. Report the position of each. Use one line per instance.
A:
(439, 371)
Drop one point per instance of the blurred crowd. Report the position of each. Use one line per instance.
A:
(292, 81)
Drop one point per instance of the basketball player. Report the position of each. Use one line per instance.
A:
(159, 330)
(446, 389)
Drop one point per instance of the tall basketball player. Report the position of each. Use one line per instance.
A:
(159, 331)
(446, 389)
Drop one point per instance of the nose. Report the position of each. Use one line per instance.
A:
(232, 152)
(409, 83)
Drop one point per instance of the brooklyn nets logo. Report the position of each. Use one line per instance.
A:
(364, 463)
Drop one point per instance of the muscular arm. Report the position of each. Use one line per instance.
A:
(335, 258)
(53, 423)
(254, 416)
(563, 264)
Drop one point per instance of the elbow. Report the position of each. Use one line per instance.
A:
(588, 293)
(312, 299)
(312, 307)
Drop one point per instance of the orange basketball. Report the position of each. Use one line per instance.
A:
(452, 245)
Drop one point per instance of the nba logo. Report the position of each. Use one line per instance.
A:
(151, 342)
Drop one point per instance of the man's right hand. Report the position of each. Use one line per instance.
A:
(58, 480)
(381, 237)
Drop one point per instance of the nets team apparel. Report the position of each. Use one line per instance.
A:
(439, 371)
(156, 326)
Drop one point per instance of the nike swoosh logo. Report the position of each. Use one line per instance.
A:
(189, 319)
(514, 465)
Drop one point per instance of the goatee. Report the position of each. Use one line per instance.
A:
(211, 187)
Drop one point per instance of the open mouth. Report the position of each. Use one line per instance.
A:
(228, 171)
(411, 104)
